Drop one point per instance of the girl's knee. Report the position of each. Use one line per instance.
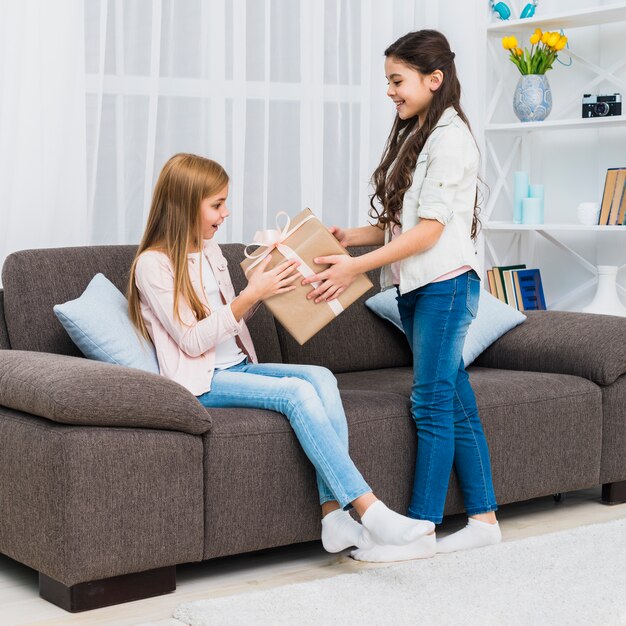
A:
(300, 391)
(323, 376)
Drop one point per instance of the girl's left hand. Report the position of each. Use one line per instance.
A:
(335, 279)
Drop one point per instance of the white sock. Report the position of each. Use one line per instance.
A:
(340, 531)
(422, 548)
(475, 535)
(388, 527)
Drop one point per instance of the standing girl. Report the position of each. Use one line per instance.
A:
(181, 298)
(426, 188)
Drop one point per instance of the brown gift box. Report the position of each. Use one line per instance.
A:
(300, 317)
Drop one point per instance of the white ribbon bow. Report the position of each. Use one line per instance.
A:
(270, 239)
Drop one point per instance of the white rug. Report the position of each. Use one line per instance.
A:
(571, 577)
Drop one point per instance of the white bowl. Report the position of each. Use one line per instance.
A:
(588, 213)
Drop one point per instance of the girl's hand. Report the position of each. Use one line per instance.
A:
(340, 235)
(336, 279)
(264, 283)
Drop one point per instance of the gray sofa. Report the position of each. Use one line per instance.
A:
(109, 476)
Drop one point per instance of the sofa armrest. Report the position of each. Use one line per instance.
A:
(73, 390)
(582, 344)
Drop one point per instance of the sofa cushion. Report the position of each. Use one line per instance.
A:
(353, 329)
(99, 324)
(35, 280)
(494, 319)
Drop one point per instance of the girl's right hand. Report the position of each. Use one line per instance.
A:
(264, 283)
(340, 235)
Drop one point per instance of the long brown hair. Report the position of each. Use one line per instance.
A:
(175, 227)
(424, 51)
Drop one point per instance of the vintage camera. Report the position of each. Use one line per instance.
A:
(602, 105)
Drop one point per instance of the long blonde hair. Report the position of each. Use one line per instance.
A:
(175, 228)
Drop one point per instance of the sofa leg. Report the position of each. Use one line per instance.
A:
(614, 493)
(107, 591)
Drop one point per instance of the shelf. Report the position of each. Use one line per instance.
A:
(571, 19)
(509, 226)
(572, 124)
(521, 241)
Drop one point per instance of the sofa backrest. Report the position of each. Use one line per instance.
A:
(35, 280)
(357, 340)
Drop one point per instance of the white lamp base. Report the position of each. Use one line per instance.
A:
(606, 300)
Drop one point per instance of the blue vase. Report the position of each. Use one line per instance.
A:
(532, 101)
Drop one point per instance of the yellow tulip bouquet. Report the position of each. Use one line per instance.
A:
(543, 52)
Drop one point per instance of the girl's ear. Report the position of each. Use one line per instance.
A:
(436, 79)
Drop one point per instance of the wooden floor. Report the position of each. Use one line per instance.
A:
(20, 602)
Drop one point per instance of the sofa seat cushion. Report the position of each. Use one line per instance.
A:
(493, 387)
(255, 470)
(544, 430)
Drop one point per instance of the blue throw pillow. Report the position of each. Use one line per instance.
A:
(494, 319)
(99, 324)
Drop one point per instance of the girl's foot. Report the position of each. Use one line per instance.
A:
(387, 527)
(340, 531)
(475, 535)
(422, 548)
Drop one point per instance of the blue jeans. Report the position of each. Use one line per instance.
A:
(308, 396)
(436, 318)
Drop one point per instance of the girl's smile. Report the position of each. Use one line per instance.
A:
(213, 212)
(410, 90)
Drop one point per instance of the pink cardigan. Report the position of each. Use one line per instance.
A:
(186, 351)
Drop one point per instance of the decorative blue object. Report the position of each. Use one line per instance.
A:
(501, 9)
(99, 324)
(536, 191)
(494, 319)
(532, 101)
(520, 192)
(532, 211)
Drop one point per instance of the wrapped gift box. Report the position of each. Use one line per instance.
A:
(309, 239)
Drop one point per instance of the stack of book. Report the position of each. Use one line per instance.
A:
(518, 286)
(613, 207)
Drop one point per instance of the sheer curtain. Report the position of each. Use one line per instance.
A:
(289, 95)
(42, 125)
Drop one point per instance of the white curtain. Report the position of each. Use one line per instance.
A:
(289, 95)
(42, 125)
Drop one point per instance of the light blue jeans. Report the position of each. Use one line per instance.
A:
(308, 396)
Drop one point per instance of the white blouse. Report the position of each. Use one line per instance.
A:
(444, 189)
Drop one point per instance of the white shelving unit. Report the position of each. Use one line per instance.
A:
(563, 117)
